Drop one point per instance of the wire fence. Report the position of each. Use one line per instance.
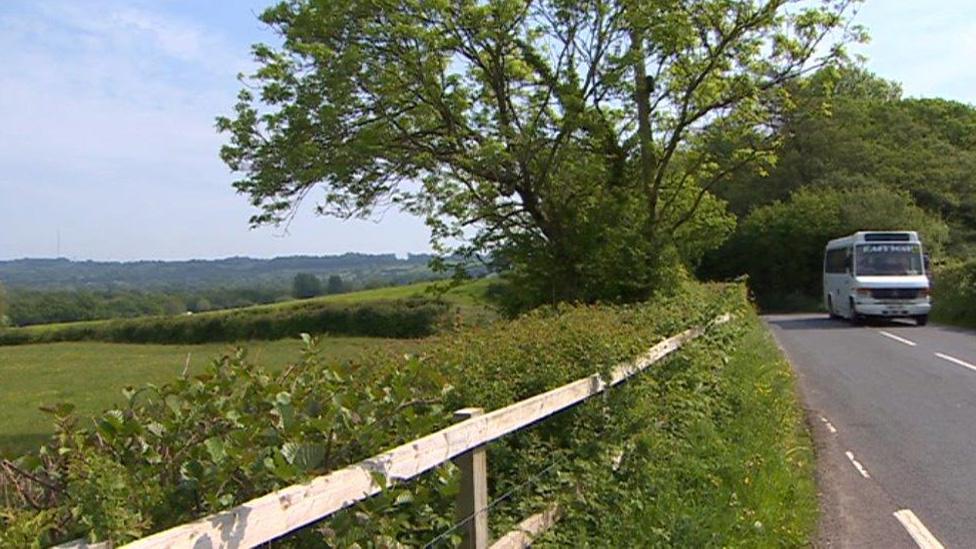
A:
(531, 481)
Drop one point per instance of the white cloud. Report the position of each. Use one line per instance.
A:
(107, 132)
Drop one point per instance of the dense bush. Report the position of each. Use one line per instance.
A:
(176, 452)
(400, 319)
(780, 246)
(954, 293)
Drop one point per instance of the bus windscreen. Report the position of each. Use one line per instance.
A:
(888, 260)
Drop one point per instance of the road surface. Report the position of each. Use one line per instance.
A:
(893, 409)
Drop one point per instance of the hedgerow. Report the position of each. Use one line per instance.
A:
(409, 318)
(177, 452)
(954, 293)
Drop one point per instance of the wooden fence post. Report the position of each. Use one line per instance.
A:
(472, 500)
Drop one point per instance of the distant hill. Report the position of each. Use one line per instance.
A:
(64, 274)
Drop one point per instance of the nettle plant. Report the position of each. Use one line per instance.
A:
(176, 452)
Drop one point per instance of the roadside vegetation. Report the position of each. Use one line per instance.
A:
(954, 293)
(714, 430)
(91, 376)
(855, 155)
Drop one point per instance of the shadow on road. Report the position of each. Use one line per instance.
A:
(808, 323)
(825, 323)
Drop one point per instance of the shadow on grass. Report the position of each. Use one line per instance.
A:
(12, 446)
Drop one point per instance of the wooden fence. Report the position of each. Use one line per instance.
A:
(278, 513)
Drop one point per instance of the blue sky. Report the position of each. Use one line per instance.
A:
(107, 110)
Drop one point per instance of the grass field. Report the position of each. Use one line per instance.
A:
(92, 375)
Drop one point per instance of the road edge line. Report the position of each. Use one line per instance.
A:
(956, 361)
(922, 536)
(857, 464)
(897, 338)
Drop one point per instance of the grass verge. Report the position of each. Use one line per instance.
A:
(720, 457)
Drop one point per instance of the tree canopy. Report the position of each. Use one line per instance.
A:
(572, 143)
(852, 128)
(306, 285)
(780, 245)
(3, 307)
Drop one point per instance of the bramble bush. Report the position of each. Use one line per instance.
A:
(407, 318)
(954, 293)
(176, 452)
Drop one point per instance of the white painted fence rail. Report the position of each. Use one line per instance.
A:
(278, 513)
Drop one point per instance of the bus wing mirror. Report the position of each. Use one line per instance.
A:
(927, 261)
(847, 264)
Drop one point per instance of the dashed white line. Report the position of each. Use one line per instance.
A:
(955, 360)
(830, 426)
(857, 465)
(917, 530)
(899, 339)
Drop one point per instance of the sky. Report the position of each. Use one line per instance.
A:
(107, 142)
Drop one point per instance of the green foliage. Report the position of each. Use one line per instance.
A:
(852, 128)
(305, 285)
(568, 143)
(335, 285)
(92, 375)
(29, 306)
(4, 319)
(780, 246)
(712, 454)
(954, 293)
(686, 434)
(205, 443)
(400, 318)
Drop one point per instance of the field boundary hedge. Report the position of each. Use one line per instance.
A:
(706, 448)
(264, 519)
(954, 294)
(406, 318)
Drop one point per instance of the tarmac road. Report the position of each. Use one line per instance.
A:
(893, 410)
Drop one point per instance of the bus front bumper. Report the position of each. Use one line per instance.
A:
(893, 308)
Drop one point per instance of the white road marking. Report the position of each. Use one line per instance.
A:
(857, 465)
(830, 426)
(917, 530)
(899, 339)
(955, 360)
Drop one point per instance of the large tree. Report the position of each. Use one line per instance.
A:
(572, 142)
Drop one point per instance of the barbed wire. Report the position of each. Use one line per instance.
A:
(531, 480)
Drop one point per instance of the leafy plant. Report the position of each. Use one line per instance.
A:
(201, 444)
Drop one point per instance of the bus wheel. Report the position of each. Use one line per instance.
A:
(855, 318)
(921, 320)
(830, 308)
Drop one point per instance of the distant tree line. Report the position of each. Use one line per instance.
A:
(238, 272)
(306, 285)
(4, 319)
(24, 307)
